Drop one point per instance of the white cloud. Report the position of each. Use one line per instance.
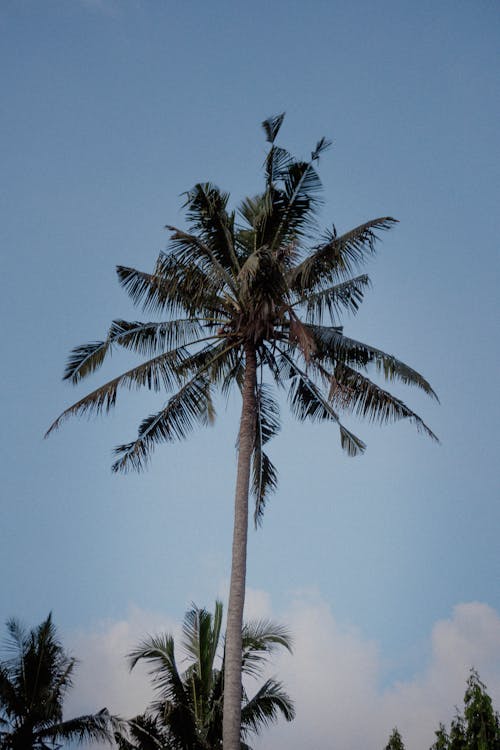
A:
(333, 674)
(103, 678)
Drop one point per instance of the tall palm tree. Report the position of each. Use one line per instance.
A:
(246, 292)
(35, 676)
(187, 712)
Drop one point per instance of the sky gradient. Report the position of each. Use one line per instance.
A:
(110, 110)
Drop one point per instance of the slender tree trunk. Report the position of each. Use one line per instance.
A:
(231, 722)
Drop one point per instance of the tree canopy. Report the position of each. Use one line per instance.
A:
(35, 676)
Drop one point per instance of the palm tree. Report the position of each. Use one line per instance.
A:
(34, 679)
(187, 713)
(246, 293)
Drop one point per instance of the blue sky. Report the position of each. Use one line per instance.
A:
(110, 110)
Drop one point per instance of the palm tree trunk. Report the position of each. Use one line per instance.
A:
(231, 722)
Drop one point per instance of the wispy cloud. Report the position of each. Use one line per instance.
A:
(333, 675)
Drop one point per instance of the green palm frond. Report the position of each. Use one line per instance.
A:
(332, 346)
(354, 392)
(147, 339)
(307, 402)
(155, 374)
(264, 708)
(85, 359)
(142, 733)
(277, 162)
(333, 300)
(272, 126)
(173, 287)
(89, 728)
(159, 652)
(206, 212)
(267, 425)
(338, 257)
(201, 632)
(150, 339)
(191, 405)
(260, 639)
(189, 250)
(294, 207)
(264, 482)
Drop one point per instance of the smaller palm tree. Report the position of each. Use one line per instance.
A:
(187, 711)
(35, 676)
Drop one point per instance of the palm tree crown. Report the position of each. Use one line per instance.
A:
(187, 711)
(34, 679)
(247, 292)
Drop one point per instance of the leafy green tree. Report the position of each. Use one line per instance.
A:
(395, 741)
(187, 711)
(35, 676)
(479, 726)
(482, 722)
(246, 292)
(442, 739)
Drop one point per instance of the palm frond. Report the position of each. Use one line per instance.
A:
(155, 374)
(89, 728)
(260, 639)
(206, 210)
(142, 733)
(306, 402)
(174, 287)
(191, 405)
(277, 162)
(201, 632)
(333, 300)
(159, 652)
(266, 705)
(294, 207)
(152, 338)
(337, 258)
(332, 346)
(145, 338)
(189, 250)
(264, 474)
(354, 392)
(272, 126)
(85, 359)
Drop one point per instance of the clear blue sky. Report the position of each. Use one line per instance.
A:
(110, 110)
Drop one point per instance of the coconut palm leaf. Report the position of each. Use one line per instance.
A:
(201, 633)
(295, 206)
(146, 339)
(333, 300)
(189, 250)
(159, 652)
(338, 257)
(272, 126)
(354, 392)
(152, 338)
(332, 346)
(264, 708)
(174, 286)
(191, 405)
(142, 732)
(89, 728)
(157, 373)
(307, 402)
(260, 639)
(264, 474)
(207, 215)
